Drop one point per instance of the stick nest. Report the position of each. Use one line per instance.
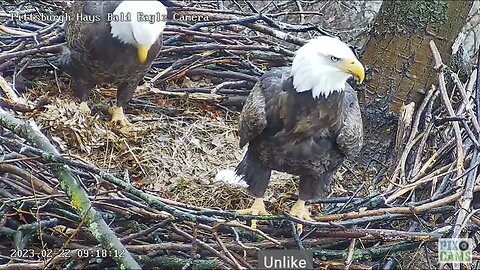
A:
(155, 184)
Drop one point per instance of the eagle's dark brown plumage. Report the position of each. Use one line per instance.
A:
(96, 57)
(291, 131)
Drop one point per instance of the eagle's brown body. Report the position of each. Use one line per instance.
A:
(96, 57)
(294, 133)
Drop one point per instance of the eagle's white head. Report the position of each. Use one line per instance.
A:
(323, 65)
(146, 24)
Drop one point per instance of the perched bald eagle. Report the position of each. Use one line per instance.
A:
(303, 120)
(112, 42)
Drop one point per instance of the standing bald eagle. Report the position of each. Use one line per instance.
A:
(112, 42)
(302, 120)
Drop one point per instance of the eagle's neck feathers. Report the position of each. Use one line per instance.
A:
(322, 83)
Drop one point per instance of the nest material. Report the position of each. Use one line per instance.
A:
(69, 126)
(183, 135)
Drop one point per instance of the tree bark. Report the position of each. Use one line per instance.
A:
(400, 63)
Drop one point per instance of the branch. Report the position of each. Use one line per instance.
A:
(69, 183)
(151, 200)
(439, 67)
(395, 210)
(467, 196)
(366, 254)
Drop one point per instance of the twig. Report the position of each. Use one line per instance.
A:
(10, 93)
(371, 253)
(439, 67)
(203, 245)
(226, 251)
(222, 47)
(395, 210)
(351, 249)
(114, 180)
(467, 196)
(465, 103)
(78, 197)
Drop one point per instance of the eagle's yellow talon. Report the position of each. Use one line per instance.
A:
(300, 210)
(84, 108)
(118, 117)
(257, 209)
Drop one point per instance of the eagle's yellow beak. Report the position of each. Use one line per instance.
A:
(354, 67)
(142, 51)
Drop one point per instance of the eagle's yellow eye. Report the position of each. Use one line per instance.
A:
(334, 59)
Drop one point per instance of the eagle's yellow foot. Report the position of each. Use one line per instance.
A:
(257, 209)
(84, 108)
(300, 210)
(118, 117)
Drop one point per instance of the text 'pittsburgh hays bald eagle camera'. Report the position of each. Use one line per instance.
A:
(115, 48)
(303, 120)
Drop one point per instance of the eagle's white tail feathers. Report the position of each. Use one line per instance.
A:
(230, 177)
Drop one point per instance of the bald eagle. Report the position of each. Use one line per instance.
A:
(303, 120)
(112, 42)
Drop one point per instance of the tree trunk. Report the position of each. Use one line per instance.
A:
(399, 59)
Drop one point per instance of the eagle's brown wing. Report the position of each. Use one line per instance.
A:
(86, 32)
(350, 139)
(96, 57)
(253, 119)
(82, 34)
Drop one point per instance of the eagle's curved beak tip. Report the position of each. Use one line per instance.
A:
(354, 67)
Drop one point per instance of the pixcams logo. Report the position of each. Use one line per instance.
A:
(455, 250)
